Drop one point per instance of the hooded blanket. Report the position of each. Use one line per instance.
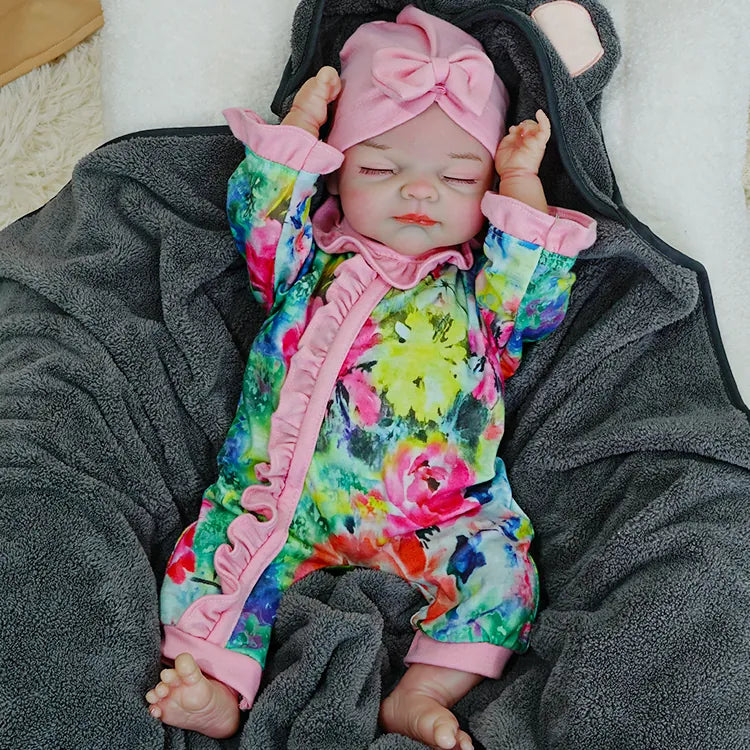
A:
(125, 320)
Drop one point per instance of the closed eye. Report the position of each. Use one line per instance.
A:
(461, 180)
(369, 170)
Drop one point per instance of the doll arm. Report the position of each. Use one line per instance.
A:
(523, 281)
(518, 158)
(268, 199)
(524, 284)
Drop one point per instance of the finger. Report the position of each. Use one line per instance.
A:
(313, 91)
(327, 73)
(312, 94)
(543, 120)
(329, 79)
(309, 108)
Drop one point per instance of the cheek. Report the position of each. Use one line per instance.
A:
(358, 204)
(468, 215)
(352, 197)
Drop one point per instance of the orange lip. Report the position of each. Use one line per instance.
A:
(420, 219)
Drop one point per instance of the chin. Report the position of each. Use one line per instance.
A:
(414, 242)
(414, 249)
(413, 252)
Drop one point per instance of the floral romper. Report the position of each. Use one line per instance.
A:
(369, 421)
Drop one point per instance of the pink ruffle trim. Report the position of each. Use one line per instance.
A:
(353, 277)
(255, 543)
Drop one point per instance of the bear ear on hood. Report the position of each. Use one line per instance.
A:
(570, 30)
(583, 36)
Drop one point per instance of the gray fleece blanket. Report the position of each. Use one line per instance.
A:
(125, 319)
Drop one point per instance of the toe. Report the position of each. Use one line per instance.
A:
(186, 668)
(155, 711)
(161, 690)
(464, 741)
(446, 733)
(169, 676)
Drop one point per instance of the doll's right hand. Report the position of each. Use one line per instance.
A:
(310, 106)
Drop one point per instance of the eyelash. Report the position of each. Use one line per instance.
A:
(370, 171)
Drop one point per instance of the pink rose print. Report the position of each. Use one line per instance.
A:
(426, 484)
(363, 400)
(260, 251)
(182, 561)
(494, 340)
(290, 342)
(367, 338)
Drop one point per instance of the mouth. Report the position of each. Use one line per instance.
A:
(421, 219)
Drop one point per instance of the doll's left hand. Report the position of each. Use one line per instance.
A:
(524, 145)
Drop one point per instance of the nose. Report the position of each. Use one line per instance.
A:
(419, 188)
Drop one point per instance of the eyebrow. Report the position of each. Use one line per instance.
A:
(467, 155)
(374, 144)
(383, 147)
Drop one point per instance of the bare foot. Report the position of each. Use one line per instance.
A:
(418, 709)
(187, 699)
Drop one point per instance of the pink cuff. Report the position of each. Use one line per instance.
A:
(560, 231)
(283, 144)
(239, 672)
(477, 658)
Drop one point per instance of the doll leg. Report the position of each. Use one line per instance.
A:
(189, 698)
(483, 592)
(197, 692)
(481, 588)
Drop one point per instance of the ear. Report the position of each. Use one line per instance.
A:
(332, 183)
(569, 27)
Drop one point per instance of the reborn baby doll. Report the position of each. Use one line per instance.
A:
(372, 404)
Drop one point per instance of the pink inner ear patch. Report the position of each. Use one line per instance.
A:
(571, 31)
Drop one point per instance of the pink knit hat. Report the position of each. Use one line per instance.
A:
(392, 72)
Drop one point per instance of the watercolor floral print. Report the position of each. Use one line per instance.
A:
(403, 473)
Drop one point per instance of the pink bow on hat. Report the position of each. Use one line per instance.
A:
(393, 71)
(466, 76)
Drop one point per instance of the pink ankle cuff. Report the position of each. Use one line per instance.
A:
(239, 672)
(477, 658)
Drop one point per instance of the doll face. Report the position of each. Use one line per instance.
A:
(417, 186)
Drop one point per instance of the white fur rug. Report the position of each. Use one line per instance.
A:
(49, 119)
